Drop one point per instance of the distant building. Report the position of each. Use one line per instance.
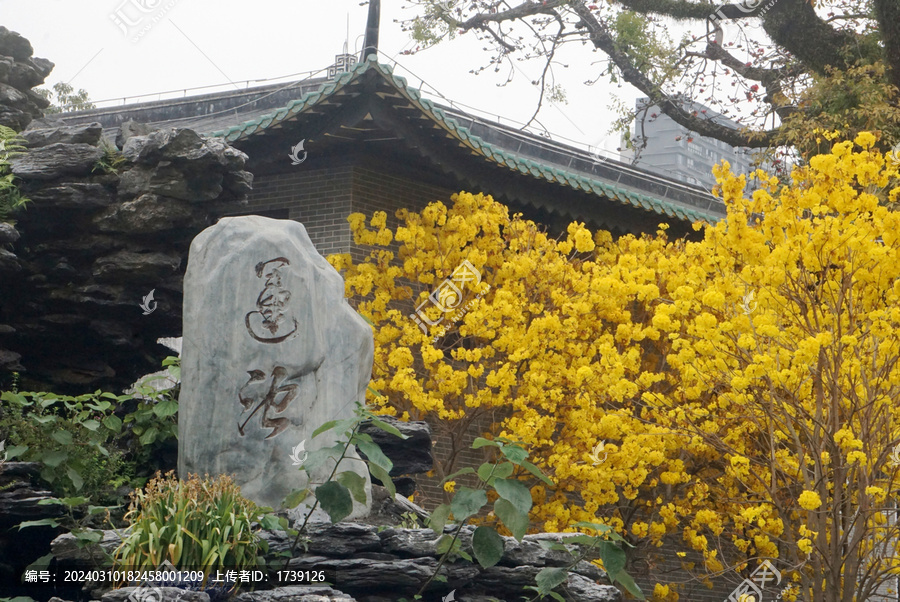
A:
(685, 156)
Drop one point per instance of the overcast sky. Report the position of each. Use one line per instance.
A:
(194, 43)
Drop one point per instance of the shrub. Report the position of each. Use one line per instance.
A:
(196, 524)
(10, 197)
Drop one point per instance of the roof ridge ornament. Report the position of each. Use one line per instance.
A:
(370, 45)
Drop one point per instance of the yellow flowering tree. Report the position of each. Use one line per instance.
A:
(734, 396)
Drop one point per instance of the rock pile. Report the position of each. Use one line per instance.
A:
(104, 230)
(19, 73)
(375, 564)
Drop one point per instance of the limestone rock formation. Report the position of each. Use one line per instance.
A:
(19, 73)
(375, 564)
(95, 241)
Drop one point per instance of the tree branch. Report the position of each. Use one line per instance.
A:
(670, 106)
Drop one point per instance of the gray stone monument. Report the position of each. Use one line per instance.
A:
(271, 351)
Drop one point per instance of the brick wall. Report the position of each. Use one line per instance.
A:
(319, 199)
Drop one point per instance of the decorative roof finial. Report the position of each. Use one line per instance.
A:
(370, 47)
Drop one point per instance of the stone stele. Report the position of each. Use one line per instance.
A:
(272, 350)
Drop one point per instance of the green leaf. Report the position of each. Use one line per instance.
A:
(466, 470)
(50, 501)
(270, 522)
(88, 536)
(47, 402)
(512, 519)
(317, 457)
(113, 423)
(91, 425)
(482, 442)
(389, 428)
(438, 518)
(487, 546)
(340, 426)
(295, 498)
(100, 406)
(444, 544)
(629, 584)
(335, 500)
(550, 578)
(355, 483)
(467, 502)
(535, 471)
(44, 522)
(595, 526)
(382, 475)
(374, 454)
(149, 436)
(14, 398)
(514, 491)
(165, 408)
(613, 558)
(15, 451)
(43, 419)
(55, 458)
(514, 453)
(92, 510)
(73, 502)
(75, 478)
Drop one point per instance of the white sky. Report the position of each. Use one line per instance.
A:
(203, 42)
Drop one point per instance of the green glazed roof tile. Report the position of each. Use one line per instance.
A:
(499, 155)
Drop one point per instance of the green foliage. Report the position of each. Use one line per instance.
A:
(69, 436)
(848, 102)
(337, 493)
(504, 476)
(197, 524)
(89, 444)
(112, 159)
(64, 99)
(11, 198)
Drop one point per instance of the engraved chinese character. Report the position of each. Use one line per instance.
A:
(268, 395)
(271, 322)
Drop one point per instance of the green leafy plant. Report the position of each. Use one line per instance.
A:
(510, 510)
(336, 494)
(196, 524)
(71, 437)
(112, 159)
(11, 198)
(586, 547)
(91, 443)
